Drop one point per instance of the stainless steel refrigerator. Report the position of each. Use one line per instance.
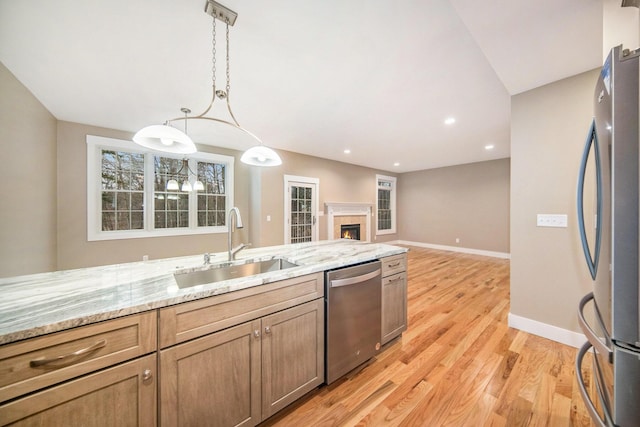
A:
(608, 208)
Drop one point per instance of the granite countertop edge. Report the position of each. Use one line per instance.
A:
(44, 303)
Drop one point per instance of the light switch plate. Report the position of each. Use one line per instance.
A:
(552, 220)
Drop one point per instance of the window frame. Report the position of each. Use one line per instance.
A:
(95, 145)
(392, 200)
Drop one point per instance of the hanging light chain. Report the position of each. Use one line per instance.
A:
(228, 69)
(213, 53)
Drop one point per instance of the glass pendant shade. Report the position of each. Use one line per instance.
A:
(261, 156)
(172, 185)
(165, 138)
(198, 186)
(186, 186)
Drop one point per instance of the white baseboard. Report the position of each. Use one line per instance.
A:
(554, 333)
(563, 336)
(493, 254)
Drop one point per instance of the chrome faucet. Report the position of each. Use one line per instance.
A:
(234, 251)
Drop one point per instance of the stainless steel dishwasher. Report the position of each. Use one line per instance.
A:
(354, 309)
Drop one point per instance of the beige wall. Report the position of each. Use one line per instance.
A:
(51, 233)
(469, 202)
(339, 182)
(28, 177)
(75, 251)
(258, 192)
(548, 128)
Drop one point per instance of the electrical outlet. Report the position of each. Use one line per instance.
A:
(457, 240)
(552, 220)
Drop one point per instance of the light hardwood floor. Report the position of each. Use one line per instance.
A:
(458, 364)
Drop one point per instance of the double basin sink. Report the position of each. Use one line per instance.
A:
(227, 272)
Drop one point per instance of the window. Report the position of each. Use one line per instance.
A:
(122, 190)
(170, 208)
(212, 204)
(127, 194)
(386, 204)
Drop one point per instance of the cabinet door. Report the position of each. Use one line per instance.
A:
(124, 395)
(394, 306)
(292, 355)
(213, 380)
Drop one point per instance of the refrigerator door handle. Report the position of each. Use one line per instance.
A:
(591, 143)
(589, 332)
(583, 390)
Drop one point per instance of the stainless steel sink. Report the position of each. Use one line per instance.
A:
(217, 274)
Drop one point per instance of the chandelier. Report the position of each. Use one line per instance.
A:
(167, 138)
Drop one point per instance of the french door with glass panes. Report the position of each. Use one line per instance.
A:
(300, 208)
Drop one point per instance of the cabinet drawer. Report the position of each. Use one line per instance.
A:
(39, 362)
(394, 279)
(124, 395)
(393, 264)
(190, 320)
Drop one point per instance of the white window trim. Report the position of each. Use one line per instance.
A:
(288, 179)
(94, 184)
(393, 181)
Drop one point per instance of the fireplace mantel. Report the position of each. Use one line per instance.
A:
(342, 209)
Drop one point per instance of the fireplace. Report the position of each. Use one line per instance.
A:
(348, 213)
(350, 231)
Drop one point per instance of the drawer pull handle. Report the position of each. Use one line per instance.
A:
(267, 330)
(46, 361)
(256, 333)
(397, 279)
(394, 265)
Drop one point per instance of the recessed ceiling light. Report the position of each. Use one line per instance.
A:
(396, 164)
(449, 120)
(489, 147)
(347, 151)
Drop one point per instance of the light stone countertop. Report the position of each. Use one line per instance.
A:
(39, 304)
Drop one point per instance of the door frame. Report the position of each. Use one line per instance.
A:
(291, 179)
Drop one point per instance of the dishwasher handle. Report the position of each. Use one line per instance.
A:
(335, 283)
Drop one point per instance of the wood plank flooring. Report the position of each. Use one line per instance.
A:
(458, 364)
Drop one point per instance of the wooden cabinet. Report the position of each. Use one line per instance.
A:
(243, 374)
(30, 365)
(190, 320)
(73, 377)
(394, 297)
(214, 380)
(292, 355)
(124, 395)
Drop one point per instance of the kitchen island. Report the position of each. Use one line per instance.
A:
(38, 304)
(78, 343)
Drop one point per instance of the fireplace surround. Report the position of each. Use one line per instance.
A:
(339, 213)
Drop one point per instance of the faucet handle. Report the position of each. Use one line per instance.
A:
(207, 258)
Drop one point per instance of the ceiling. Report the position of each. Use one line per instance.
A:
(376, 77)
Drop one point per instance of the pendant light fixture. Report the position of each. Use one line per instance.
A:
(166, 138)
(258, 155)
(173, 185)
